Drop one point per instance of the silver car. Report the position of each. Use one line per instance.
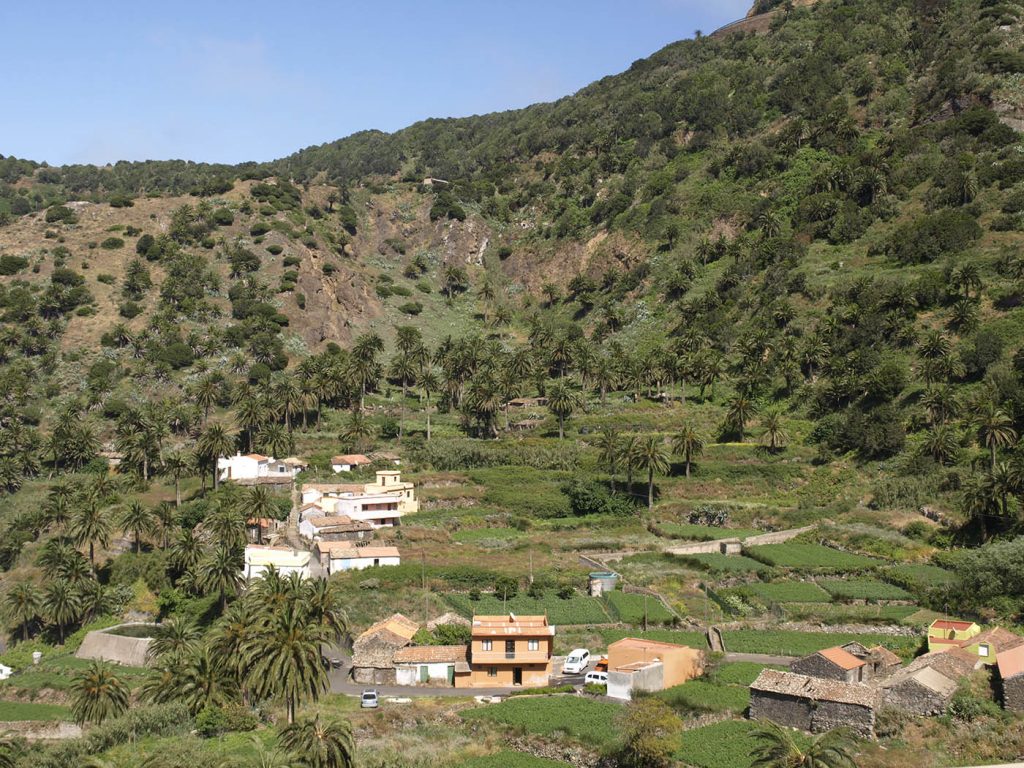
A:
(368, 700)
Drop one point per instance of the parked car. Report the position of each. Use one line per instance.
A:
(576, 662)
(602, 664)
(368, 700)
(596, 678)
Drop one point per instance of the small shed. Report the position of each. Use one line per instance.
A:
(5, 672)
(813, 704)
(426, 664)
(349, 461)
(373, 652)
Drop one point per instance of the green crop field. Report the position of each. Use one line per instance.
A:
(707, 696)
(11, 711)
(863, 589)
(507, 759)
(918, 576)
(584, 719)
(844, 612)
(738, 673)
(630, 608)
(579, 609)
(704, 532)
(800, 556)
(786, 592)
(719, 563)
(723, 745)
(783, 643)
(477, 535)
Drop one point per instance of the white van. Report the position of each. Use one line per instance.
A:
(576, 662)
(596, 678)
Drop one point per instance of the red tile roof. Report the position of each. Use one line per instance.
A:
(842, 659)
(959, 626)
(431, 654)
(1011, 662)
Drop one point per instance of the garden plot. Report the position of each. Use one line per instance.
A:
(863, 589)
(800, 556)
(586, 720)
(578, 609)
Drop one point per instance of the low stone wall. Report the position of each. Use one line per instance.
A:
(32, 730)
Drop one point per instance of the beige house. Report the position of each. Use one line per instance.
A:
(648, 665)
(509, 651)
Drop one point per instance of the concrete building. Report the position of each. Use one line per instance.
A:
(832, 664)
(338, 556)
(381, 503)
(255, 467)
(431, 664)
(813, 704)
(1011, 673)
(648, 665)
(285, 560)
(509, 651)
(373, 652)
(349, 462)
(335, 528)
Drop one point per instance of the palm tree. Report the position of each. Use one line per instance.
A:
(980, 502)
(61, 605)
(251, 416)
(203, 681)
(229, 638)
(995, 429)
(284, 659)
(187, 551)
(562, 401)
(8, 754)
(23, 603)
(740, 411)
(90, 525)
(942, 443)
(779, 748)
(260, 501)
(689, 443)
(275, 440)
(174, 637)
(775, 436)
(221, 571)
(321, 602)
(206, 394)
(651, 455)
(320, 744)
(429, 383)
(178, 464)
(97, 693)
(215, 441)
(357, 430)
(609, 446)
(137, 519)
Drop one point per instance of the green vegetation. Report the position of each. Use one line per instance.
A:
(719, 563)
(705, 696)
(863, 589)
(508, 759)
(12, 711)
(786, 592)
(723, 745)
(586, 720)
(577, 609)
(800, 556)
(635, 609)
(786, 643)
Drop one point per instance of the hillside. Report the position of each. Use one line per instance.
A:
(766, 285)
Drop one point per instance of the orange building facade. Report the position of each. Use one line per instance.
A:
(509, 651)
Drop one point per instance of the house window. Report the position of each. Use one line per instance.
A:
(492, 671)
(486, 645)
(510, 649)
(534, 645)
(983, 650)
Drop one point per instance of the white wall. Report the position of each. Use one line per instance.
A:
(359, 563)
(409, 674)
(256, 571)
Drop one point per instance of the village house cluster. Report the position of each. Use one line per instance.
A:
(335, 521)
(846, 686)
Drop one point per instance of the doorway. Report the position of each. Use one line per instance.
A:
(517, 676)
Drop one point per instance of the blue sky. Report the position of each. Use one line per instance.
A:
(225, 81)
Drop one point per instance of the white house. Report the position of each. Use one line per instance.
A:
(343, 556)
(424, 664)
(381, 503)
(253, 466)
(334, 528)
(349, 462)
(5, 672)
(285, 559)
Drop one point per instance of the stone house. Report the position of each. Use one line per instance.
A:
(335, 528)
(813, 704)
(373, 652)
(1011, 674)
(927, 685)
(832, 664)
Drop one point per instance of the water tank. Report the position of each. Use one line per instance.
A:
(602, 582)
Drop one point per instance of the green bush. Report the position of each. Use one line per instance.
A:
(60, 213)
(276, 250)
(410, 308)
(12, 265)
(112, 244)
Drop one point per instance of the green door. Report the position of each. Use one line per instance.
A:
(424, 673)
(451, 674)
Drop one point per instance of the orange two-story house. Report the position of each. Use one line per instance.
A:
(509, 651)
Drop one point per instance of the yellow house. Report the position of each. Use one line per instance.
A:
(509, 651)
(991, 642)
(948, 633)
